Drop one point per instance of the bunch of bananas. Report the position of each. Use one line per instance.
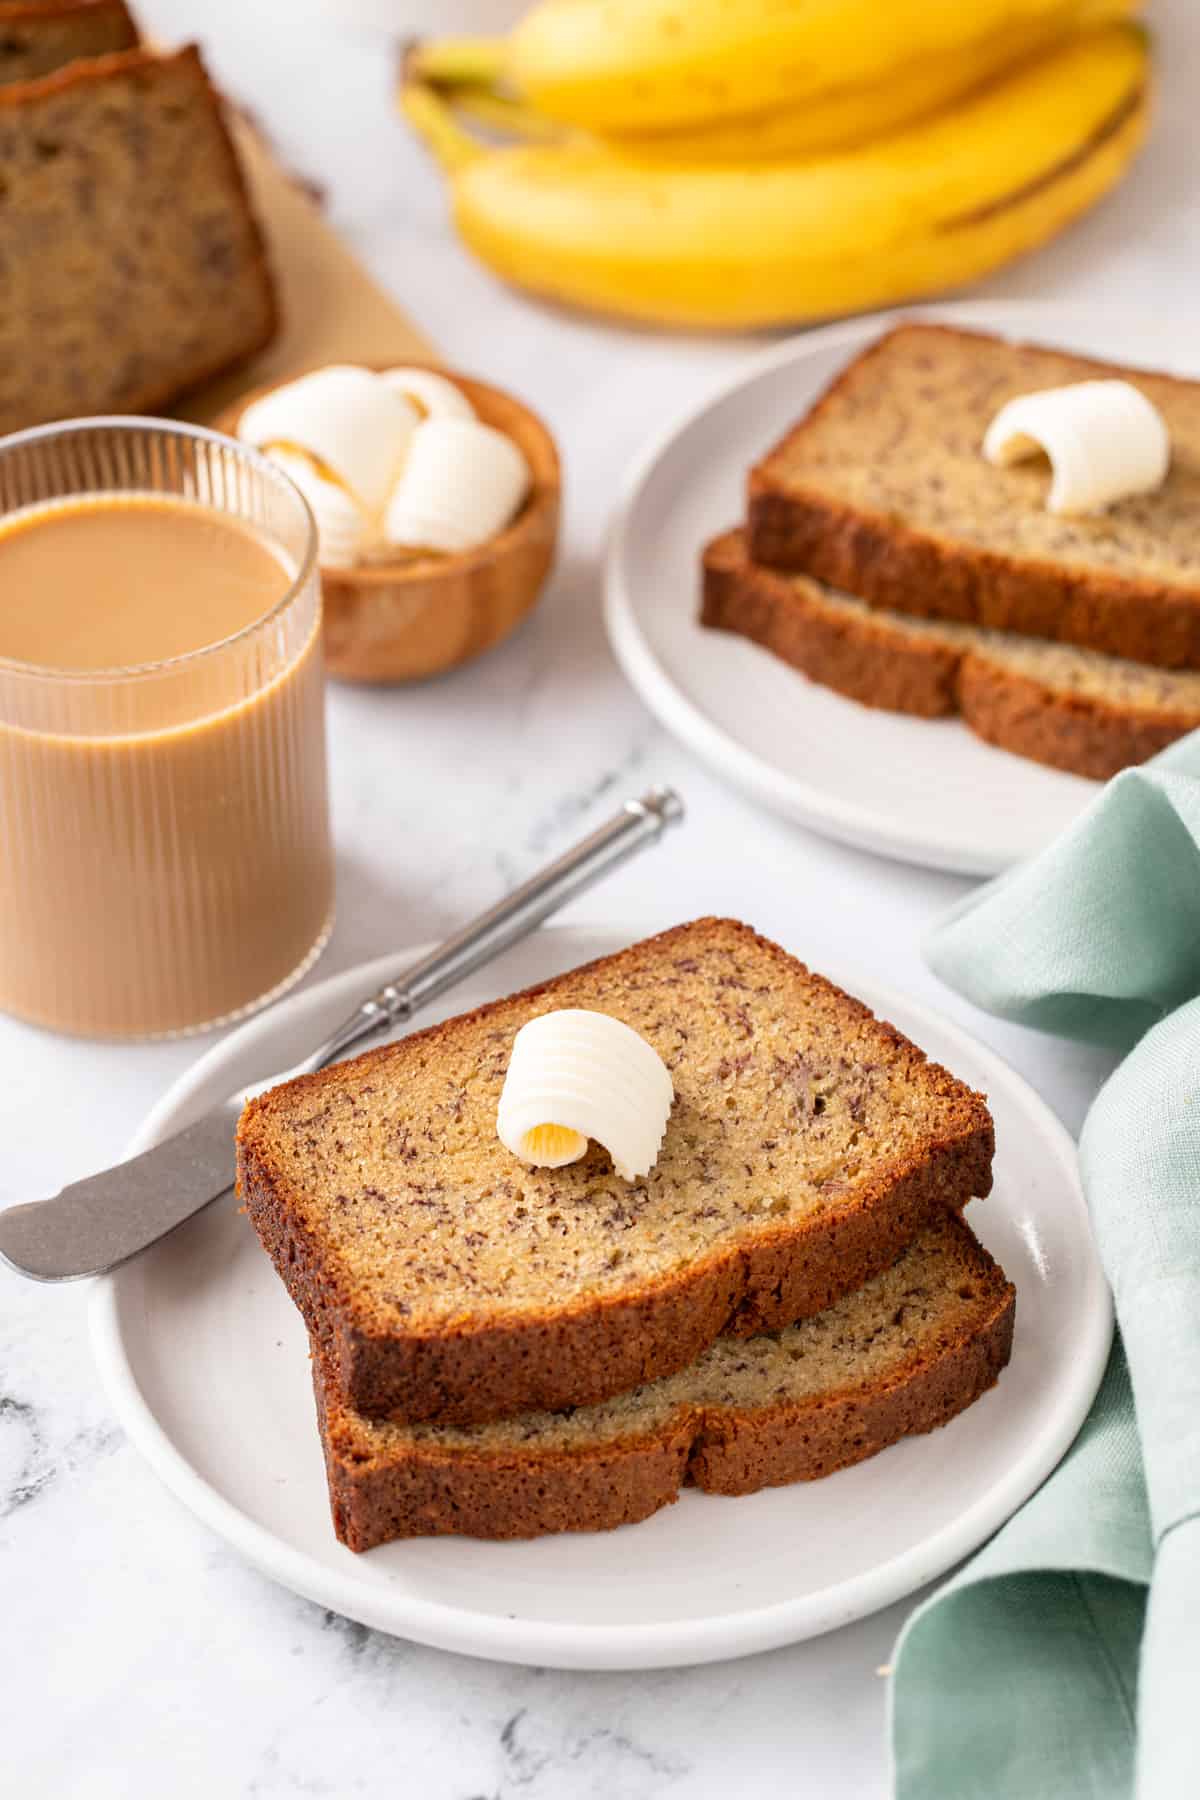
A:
(737, 163)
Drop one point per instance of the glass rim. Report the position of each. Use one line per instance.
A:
(180, 428)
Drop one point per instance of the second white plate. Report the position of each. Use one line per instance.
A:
(206, 1363)
(925, 791)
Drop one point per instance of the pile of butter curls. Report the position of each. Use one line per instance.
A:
(392, 465)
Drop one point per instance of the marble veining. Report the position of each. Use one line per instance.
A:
(24, 1453)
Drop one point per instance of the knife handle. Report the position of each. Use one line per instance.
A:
(638, 824)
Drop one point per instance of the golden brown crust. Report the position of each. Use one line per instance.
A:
(881, 663)
(496, 1495)
(425, 1490)
(1065, 731)
(596, 1347)
(96, 70)
(881, 560)
(38, 39)
(768, 1449)
(860, 657)
(17, 12)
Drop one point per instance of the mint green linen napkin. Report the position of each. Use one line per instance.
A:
(1064, 1661)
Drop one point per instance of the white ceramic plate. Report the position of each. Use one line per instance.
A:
(206, 1362)
(926, 791)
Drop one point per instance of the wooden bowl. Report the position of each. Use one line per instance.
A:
(409, 619)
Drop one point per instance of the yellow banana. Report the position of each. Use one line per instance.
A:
(470, 74)
(620, 66)
(934, 206)
(842, 117)
(473, 74)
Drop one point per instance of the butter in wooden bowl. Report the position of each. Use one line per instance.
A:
(436, 498)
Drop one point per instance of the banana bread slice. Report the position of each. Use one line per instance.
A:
(441, 1278)
(1077, 710)
(882, 491)
(39, 36)
(132, 265)
(903, 1354)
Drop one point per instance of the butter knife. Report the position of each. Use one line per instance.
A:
(95, 1224)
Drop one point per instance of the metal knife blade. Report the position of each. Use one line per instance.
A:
(96, 1223)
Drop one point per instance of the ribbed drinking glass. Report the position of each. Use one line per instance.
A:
(165, 858)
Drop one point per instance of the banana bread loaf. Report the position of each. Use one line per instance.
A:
(132, 266)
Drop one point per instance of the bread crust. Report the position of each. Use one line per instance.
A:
(1065, 731)
(17, 12)
(428, 1491)
(86, 72)
(862, 657)
(476, 1370)
(871, 661)
(882, 560)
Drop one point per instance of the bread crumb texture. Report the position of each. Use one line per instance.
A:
(130, 262)
(792, 1103)
(39, 36)
(903, 1354)
(920, 1306)
(900, 435)
(1074, 709)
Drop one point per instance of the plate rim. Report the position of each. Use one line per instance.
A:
(753, 775)
(573, 1645)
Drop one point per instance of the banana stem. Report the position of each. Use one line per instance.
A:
(436, 126)
(457, 62)
(500, 112)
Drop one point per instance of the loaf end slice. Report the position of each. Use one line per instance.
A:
(134, 264)
(1076, 710)
(808, 1144)
(905, 1353)
(882, 491)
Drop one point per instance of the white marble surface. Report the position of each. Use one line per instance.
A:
(137, 1655)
